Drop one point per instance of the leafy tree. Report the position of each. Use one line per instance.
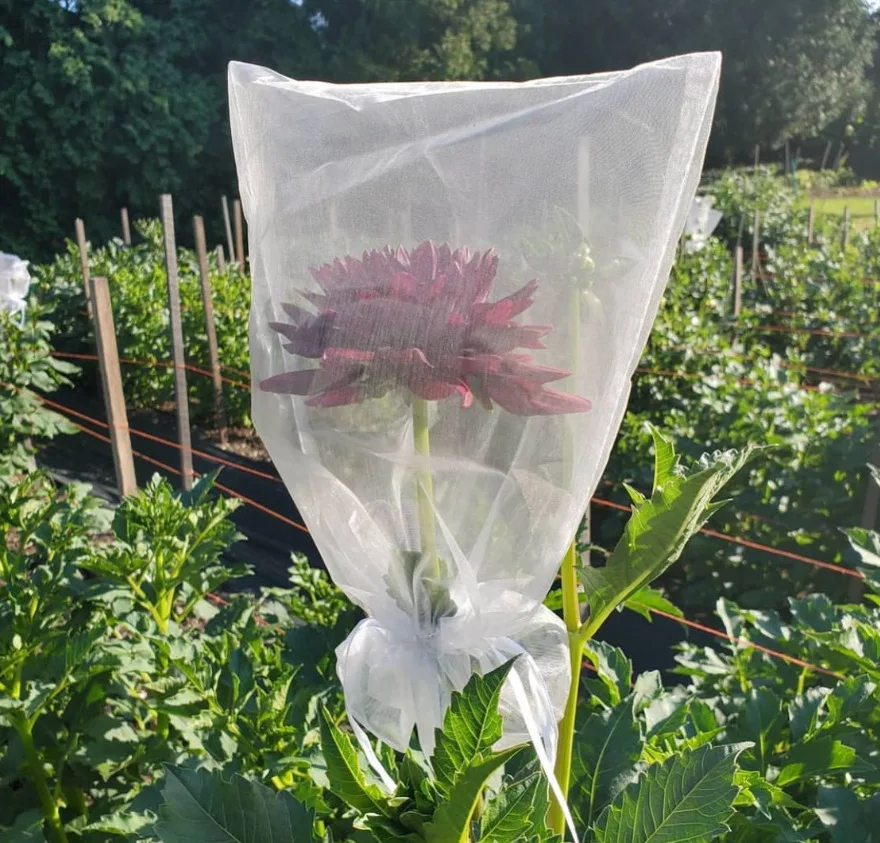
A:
(111, 102)
(391, 40)
(791, 67)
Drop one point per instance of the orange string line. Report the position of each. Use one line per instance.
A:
(785, 364)
(161, 364)
(685, 621)
(817, 332)
(601, 501)
(818, 563)
(166, 467)
(743, 642)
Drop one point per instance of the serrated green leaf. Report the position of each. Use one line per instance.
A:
(471, 727)
(658, 530)
(123, 825)
(28, 828)
(847, 818)
(759, 722)
(452, 819)
(518, 810)
(666, 461)
(608, 747)
(803, 712)
(849, 697)
(818, 757)
(686, 799)
(344, 772)
(815, 611)
(866, 543)
(613, 668)
(201, 806)
(646, 599)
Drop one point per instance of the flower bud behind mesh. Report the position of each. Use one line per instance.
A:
(421, 321)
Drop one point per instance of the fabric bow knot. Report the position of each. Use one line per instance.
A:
(398, 673)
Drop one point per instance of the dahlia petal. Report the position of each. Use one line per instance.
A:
(408, 356)
(505, 309)
(437, 390)
(297, 313)
(523, 398)
(551, 402)
(345, 357)
(305, 340)
(423, 262)
(403, 285)
(479, 365)
(337, 397)
(291, 383)
(521, 366)
(501, 339)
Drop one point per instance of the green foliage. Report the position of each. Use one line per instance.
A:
(808, 69)
(705, 380)
(815, 733)
(689, 797)
(26, 365)
(168, 548)
(196, 803)
(113, 663)
(659, 528)
(137, 93)
(140, 311)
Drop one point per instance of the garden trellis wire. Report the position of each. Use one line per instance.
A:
(818, 563)
(743, 642)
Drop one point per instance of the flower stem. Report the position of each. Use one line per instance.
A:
(425, 491)
(571, 614)
(38, 779)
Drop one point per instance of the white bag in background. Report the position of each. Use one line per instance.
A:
(452, 285)
(702, 220)
(15, 281)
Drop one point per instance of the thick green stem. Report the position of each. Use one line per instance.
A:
(38, 778)
(571, 613)
(425, 491)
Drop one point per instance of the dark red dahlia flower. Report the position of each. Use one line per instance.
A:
(420, 320)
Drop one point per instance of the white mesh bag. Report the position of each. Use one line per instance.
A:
(702, 220)
(452, 285)
(15, 281)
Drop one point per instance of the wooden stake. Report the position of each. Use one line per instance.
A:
(202, 252)
(756, 229)
(126, 229)
(811, 224)
(239, 235)
(228, 226)
(870, 510)
(84, 261)
(826, 155)
(111, 382)
(737, 281)
(787, 160)
(180, 394)
(876, 212)
(757, 156)
(845, 226)
(221, 260)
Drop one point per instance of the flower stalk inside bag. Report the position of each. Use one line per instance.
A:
(420, 321)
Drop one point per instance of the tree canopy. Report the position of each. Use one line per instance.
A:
(107, 103)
